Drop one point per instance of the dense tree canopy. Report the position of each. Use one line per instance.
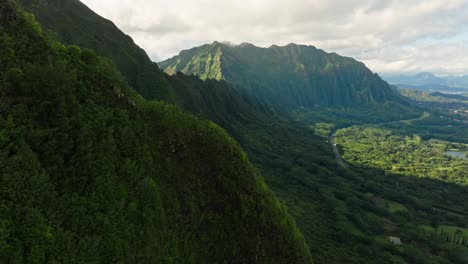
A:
(346, 216)
(92, 173)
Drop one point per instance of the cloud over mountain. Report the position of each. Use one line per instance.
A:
(388, 35)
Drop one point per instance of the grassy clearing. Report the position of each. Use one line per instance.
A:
(394, 207)
(454, 229)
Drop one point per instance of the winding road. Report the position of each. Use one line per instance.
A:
(338, 157)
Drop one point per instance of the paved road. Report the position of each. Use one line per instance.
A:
(338, 157)
(336, 151)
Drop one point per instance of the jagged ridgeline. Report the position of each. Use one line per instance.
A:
(289, 76)
(92, 173)
(74, 23)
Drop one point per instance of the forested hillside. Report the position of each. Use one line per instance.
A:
(105, 38)
(92, 173)
(346, 215)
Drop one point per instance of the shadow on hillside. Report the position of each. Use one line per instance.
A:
(344, 210)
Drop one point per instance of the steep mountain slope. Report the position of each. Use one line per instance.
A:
(291, 76)
(106, 39)
(92, 173)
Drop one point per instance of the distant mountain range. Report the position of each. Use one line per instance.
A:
(429, 82)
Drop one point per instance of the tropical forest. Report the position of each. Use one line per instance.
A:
(171, 145)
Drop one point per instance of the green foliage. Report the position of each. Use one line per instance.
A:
(323, 129)
(434, 127)
(347, 116)
(92, 173)
(394, 207)
(453, 234)
(400, 154)
(346, 216)
(76, 24)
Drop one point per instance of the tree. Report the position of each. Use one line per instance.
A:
(435, 222)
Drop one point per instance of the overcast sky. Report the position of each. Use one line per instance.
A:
(390, 36)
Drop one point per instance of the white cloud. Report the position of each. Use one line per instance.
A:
(388, 35)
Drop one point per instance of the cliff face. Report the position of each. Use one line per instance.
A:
(291, 76)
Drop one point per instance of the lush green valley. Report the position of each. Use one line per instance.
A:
(400, 154)
(348, 215)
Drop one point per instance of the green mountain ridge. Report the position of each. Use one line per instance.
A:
(74, 23)
(139, 71)
(93, 173)
(291, 76)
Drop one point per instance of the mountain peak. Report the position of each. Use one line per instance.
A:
(247, 44)
(425, 75)
(217, 43)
